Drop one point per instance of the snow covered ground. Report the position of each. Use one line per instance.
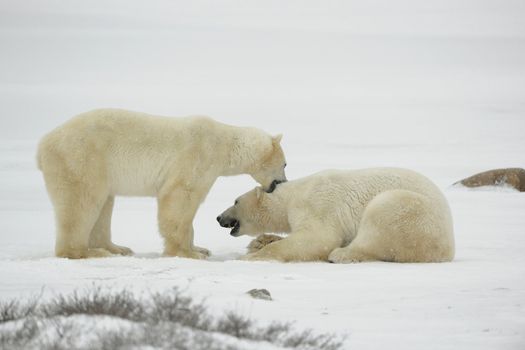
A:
(435, 86)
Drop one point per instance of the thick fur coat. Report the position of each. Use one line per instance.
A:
(385, 214)
(104, 153)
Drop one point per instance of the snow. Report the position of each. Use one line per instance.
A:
(435, 86)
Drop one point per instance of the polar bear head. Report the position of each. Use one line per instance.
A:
(253, 213)
(269, 171)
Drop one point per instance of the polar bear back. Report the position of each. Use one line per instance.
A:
(342, 195)
(360, 186)
(135, 151)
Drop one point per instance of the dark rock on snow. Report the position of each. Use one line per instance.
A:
(514, 177)
(260, 294)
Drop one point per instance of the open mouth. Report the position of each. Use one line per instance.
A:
(234, 224)
(235, 230)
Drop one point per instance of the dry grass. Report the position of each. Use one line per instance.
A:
(96, 319)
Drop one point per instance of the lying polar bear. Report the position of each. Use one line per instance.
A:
(97, 155)
(383, 214)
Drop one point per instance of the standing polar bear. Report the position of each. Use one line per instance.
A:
(383, 214)
(97, 155)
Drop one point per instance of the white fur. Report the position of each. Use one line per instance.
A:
(386, 214)
(100, 154)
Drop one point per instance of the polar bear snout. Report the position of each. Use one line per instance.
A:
(230, 222)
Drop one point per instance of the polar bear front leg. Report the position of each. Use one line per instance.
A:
(176, 210)
(262, 241)
(77, 207)
(303, 245)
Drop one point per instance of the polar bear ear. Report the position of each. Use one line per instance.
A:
(277, 138)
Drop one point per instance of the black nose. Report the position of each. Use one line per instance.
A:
(227, 222)
(274, 184)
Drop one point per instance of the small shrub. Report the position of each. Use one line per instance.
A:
(167, 320)
(14, 310)
(94, 301)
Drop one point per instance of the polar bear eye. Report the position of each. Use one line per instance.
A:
(285, 165)
(236, 202)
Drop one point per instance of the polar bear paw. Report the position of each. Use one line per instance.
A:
(255, 257)
(82, 253)
(118, 249)
(263, 255)
(261, 242)
(249, 257)
(202, 250)
(190, 254)
(345, 256)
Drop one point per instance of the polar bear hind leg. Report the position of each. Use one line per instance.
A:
(101, 233)
(398, 226)
(77, 208)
